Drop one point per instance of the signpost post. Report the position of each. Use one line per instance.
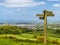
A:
(44, 17)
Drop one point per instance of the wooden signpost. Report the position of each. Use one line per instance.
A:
(44, 17)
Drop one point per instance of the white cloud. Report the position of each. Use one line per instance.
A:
(53, 0)
(22, 3)
(56, 5)
(18, 1)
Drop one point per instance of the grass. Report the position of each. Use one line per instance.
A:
(16, 41)
(28, 38)
(4, 41)
(22, 36)
(23, 39)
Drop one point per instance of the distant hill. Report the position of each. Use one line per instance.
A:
(11, 21)
(16, 22)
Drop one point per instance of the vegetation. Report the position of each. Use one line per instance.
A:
(8, 29)
(13, 35)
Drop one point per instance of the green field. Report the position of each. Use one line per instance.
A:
(23, 36)
(24, 39)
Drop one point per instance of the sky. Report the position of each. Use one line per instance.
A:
(26, 10)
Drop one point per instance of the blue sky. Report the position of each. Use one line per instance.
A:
(26, 10)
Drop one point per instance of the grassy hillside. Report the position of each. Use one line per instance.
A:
(9, 39)
(13, 35)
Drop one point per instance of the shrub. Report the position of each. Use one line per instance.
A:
(55, 42)
(8, 29)
(40, 39)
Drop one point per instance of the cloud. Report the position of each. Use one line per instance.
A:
(53, 0)
(56, 5)
(22, 3)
